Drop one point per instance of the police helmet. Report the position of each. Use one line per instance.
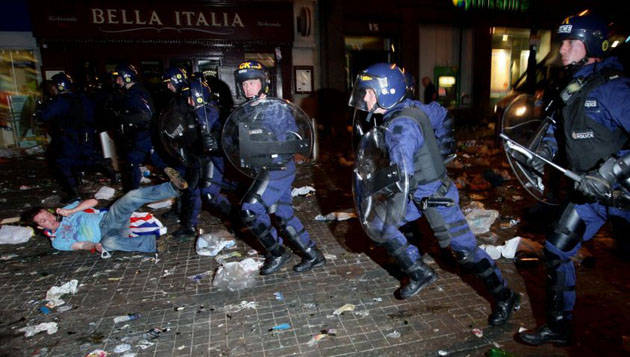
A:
(591, 29)
(251, 70)
(387, 81)
(199, 92)
(177, 77)
(62, 82)
(127, 72)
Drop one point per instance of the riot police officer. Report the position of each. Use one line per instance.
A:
(419, 186)
(591, 129)
(70, 117)
(271, 190)
(134, 125)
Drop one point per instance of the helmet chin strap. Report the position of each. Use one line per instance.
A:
(575, 65)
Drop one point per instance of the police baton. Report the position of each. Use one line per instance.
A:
(513, 145)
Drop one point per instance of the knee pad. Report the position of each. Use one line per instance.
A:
(568, 231)
(248, 217)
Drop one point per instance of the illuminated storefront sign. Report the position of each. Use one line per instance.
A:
(503, 5)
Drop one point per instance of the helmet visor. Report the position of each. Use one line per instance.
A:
(357, 97)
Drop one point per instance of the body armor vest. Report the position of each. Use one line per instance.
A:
(588, 142)
(427, 161)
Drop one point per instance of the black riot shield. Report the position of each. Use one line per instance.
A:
(380, 185)
(525, 121)
(266, 134)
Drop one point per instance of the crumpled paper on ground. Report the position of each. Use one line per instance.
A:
(301, 191)
(480, 220)
(49, 327)
(55, 293)
(336, 216)
(105, 193)
(210, 245)
(15, 234)
(237, 275)
(507, 250)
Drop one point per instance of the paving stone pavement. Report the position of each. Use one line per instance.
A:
(197, 319)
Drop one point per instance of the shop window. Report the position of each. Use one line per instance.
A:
(18, 94)
(510, 56)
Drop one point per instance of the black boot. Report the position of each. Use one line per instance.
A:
(420, 276)
(506, 302)
(185, 232)
(276, 254)
(274, 260)
(557, 330)
(311, 258)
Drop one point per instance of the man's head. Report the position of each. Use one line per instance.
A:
(199, 93)
(378, 88)
(426, 81)
(61, 83)
(43, 218)
(176, 79)
(584, 39)
(252, 79)
(125, 75)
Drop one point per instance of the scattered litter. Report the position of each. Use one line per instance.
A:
(211, 244)
(284, 326)
(144, 344)
(315, 339)
(330, 256)
(51, 201)
(181, 347)
(242, 306)
(393, 334)
(198, 277)
(252, 252)
(179, 308)
(364, 313)
(155, 332)
(145, 180)
(105, 193)
(221, 259)
(278, 295)
(237, 275)
(507, 250)
(521, 329)
(301, 191)
(55, 293)
(497, 352)
(15, 234)
(477, 332)
(161, 204)
(309, 305)
(512, 222)
(10, 220)
(25, 187)
(8, 256)
(442, 353)
(44, 310)
(168, 272)
(49, 327)
(115, 278)
(344, 308)
(123, 347)
(64, 308)
(336, 216)
(480, 220)
(378, 299)
(128, 317)
(97, 353)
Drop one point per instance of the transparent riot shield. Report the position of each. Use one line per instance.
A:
(267, 134)
(380, 185)
(525, 121)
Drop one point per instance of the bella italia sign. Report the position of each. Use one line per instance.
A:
(159, 20)
(502, 5)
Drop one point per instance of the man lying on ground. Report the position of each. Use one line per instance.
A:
(79, 227)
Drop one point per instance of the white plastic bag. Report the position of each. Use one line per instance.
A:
(15, 234)
(237, 275)
(480, 220)
(210, 245)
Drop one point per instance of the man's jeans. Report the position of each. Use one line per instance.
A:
(115, 223)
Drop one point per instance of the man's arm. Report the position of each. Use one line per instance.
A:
(80, 207)
(87, 246)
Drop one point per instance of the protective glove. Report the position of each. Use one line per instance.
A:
(535, 163)
(210, 142)
(595, 187)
